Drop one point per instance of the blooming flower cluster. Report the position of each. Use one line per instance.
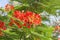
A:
(2, 27)
(9, 7)
(28, 18)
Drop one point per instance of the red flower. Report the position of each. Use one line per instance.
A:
(28, 26)
(37, 16)
(28, 18)
(22, 16)
(4, 28)
(29, 13)
(37, 19)
(9, 7)
(2, 25)
(36, 22)
(16, 13)
(24, 24)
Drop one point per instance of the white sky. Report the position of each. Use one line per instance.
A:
(3, 2)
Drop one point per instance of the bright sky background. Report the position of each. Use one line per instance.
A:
(3, 2)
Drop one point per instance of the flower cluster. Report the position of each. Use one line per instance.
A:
(28, 18)
(2, 27)
(9, 7)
